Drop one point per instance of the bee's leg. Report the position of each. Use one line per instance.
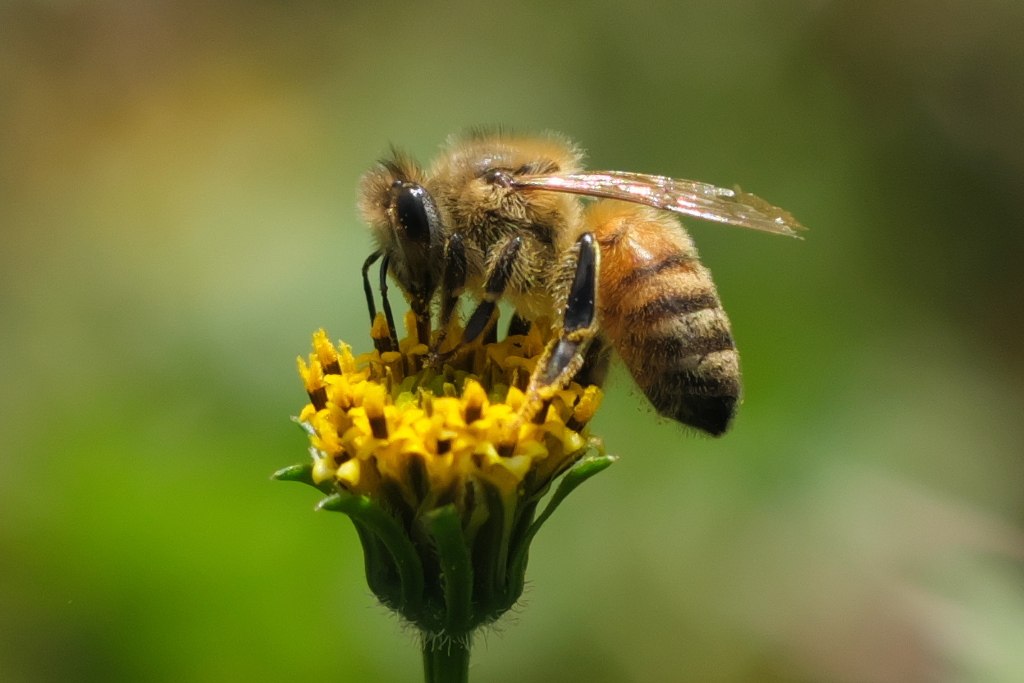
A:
(386, 305)
(370, 306)
(497, 280)
(518, 325)
(422, 312)
(564, 356)
(498, 274)
(453, 282)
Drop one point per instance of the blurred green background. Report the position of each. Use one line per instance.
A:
(177, 188)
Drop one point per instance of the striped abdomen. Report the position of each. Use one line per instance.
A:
(660, 309)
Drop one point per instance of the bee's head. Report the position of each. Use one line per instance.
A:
(407, 226)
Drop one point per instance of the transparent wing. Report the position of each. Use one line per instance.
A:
(688, 197)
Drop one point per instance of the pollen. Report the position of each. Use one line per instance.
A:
(390, 426)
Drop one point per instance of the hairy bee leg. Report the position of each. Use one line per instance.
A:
(385, 304)
(564, 357)
(453, 282)
(579, 325)
(497, 280)
(367, 288)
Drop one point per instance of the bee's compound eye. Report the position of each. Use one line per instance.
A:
(410, 204)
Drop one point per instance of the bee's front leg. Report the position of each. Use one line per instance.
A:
(564, 356)
(391, 342)
(386, 303)
(498, 274)
(453, 282)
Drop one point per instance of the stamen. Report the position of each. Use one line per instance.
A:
(381, 334)
(379, 426)
(474, 398)
(318, 397)
(325, 353)
(373, 404)
(348, 362)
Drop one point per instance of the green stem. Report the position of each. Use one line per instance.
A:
(446, 660)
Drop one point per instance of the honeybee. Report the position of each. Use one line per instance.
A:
(501, 216)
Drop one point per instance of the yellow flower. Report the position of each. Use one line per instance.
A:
(383, 427)
(441, 467)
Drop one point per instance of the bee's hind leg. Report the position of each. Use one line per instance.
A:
(481, 320)
(564, 356)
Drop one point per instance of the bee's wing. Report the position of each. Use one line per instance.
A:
(700, 200)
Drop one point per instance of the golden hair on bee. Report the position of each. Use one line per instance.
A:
(471, 180)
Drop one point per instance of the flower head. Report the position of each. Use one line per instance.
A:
(438, 468)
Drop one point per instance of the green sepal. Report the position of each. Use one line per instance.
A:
(445, 525)
(584, 469)
(381, 571)
(303, 473)
(490, 556)
(395, 539)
